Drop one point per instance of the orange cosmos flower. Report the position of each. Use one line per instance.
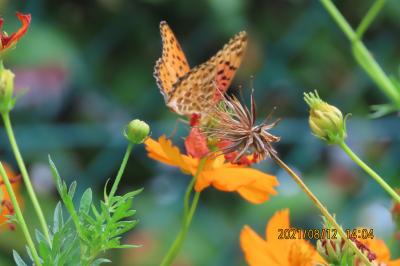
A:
(253, 185)
(380, 250)
(6, 206)
(9, 41)
(272, 251)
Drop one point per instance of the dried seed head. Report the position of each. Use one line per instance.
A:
(235, 125)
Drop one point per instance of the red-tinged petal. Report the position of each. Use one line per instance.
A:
(194, 120)
(196, 144)
(9, 41)
(255, 249)
(382, 252)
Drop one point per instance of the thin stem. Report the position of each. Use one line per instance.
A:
(321, 207)
(362, 55)
(369, 17)
(121, 170)
(19, 216)
(187, 218)
(370, 172)
(24, 173)
(340, 20)
(187, 198)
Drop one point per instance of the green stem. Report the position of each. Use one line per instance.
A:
(19, 216)
(187, 218)
(187, 198)
(361, 53)
(121, 170)
(24, 173)
(369, 171)
(321, 207)
(369, 17)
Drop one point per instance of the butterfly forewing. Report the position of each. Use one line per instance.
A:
(172, 65)
(187, 91)
(228, 60)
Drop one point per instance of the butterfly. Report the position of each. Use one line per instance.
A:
(194, 91)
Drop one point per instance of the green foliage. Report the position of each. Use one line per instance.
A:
(98, 228)
(88, 230)
(63, 249)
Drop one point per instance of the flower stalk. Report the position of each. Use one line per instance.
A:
(24, 173)
(321, 207)
(19, 216)
(370, 171)
(187, 217)
(360, 52)
(121, 170)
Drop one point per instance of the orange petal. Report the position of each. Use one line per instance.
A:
(255, 249)
(381, 251)
(253, 185)
(8, 208)
(165, 152)
(280, 220)
(258, 191)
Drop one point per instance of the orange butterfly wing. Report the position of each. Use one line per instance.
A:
(172, 65)
(197, 91)
(187, 91)
(229, 59)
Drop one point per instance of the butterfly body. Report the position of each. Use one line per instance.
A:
(194, 91)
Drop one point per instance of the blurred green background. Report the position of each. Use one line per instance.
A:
(86, 68)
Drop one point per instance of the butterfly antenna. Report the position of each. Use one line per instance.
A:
(270, 114)
(177, 121)
(251, 82)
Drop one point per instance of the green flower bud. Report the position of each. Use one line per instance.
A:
(326, 121)
(6, 89)
(333, 248)
(137, 131)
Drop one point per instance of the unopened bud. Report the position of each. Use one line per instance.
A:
(6, 89)
(137, 131)
(326, 121)
(332, 246)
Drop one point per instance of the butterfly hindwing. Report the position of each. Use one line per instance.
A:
(195, 91)
(172, 65)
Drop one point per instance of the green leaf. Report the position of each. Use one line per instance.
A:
(56, 175)
(382, 110)
(58, 221)
(105, 190)
(28, 251)
(18, 260)
(86, 201)
(100, 261)
(40, 238)
(72, 189)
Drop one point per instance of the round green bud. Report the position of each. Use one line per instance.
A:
(325, 120)
(137, 131)
(6, 89)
